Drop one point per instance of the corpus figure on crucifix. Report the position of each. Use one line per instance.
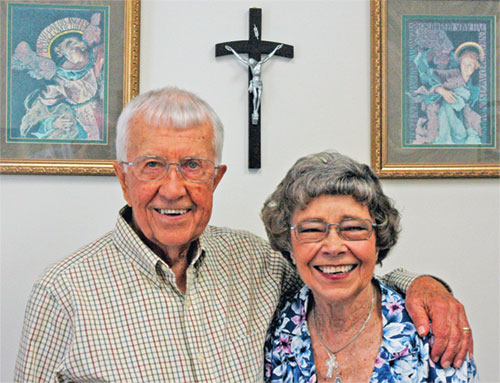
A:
(255, 48)
(255, 86)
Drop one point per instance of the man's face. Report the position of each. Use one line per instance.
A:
(171, 212)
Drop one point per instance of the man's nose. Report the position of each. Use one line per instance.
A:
(173, 185)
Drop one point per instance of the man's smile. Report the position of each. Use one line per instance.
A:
(172, 212)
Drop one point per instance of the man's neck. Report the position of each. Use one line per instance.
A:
(178, 258)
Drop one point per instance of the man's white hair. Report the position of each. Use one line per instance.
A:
(172, 107)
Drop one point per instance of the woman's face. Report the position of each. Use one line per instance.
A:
(334, 269)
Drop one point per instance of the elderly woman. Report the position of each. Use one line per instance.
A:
(331, 215)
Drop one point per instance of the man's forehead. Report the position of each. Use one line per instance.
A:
(196, 131)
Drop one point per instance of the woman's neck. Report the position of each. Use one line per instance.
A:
(348, 335)
(345, 315)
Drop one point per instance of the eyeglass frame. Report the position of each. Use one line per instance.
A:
(372, 226)
(167, 168)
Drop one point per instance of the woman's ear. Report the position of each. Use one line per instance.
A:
(289, 256)
(292, 258)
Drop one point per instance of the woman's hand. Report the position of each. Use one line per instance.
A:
(426, 299)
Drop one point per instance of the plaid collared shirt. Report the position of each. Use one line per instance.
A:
(112, 312)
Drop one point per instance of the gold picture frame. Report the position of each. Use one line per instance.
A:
(58, 113)
(411, 136)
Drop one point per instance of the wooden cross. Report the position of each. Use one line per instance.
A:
(254, 47)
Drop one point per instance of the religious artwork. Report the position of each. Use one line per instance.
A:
(445, 75)
(66, 100)
(443, 117)
(255, 85)
(254, 47)
(63, 72)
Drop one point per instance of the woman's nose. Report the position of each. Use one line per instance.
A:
(333, 241)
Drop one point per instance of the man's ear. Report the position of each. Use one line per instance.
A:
(121, 175)
(219, 174)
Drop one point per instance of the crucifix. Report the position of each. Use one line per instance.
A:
(254, 47)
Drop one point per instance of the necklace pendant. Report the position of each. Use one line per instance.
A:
(331, 365)
(338, 379)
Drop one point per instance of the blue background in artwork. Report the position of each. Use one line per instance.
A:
(26, 22)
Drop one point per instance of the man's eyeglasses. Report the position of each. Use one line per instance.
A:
(152, 168)
(350, 229)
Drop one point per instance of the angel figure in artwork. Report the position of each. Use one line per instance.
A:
(255, 86)
(69, 61)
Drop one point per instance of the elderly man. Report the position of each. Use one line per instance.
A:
(164, 297)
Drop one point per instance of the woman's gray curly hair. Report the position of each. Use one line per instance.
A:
(329, 173)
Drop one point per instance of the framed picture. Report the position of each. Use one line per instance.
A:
(67, 69)
(435, 88)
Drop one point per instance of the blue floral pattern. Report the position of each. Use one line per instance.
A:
(403, 356)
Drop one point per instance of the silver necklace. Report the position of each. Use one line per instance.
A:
(331, 364)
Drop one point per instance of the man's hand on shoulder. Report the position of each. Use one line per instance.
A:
(428, 299)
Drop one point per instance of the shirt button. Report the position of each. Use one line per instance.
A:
(188, 303)
(201, 359)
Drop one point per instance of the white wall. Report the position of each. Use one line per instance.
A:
(318, 100)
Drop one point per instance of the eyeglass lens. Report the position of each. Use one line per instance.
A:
(349, 229)
(154, 168)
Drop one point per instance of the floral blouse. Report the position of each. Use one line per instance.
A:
(403, 356)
